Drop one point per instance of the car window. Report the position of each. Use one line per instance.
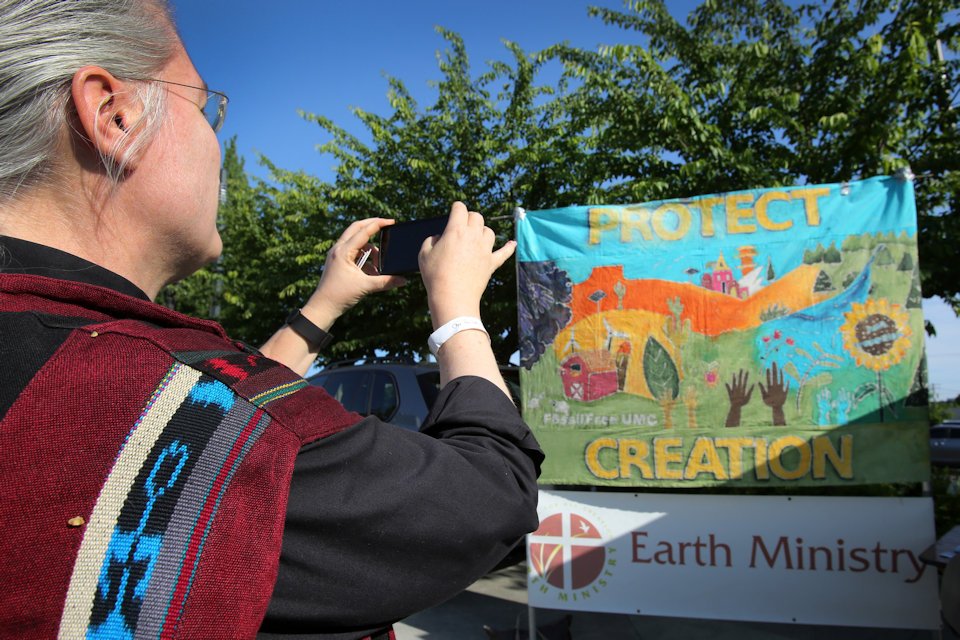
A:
(945, 433)
(349, 388)
(384, 400)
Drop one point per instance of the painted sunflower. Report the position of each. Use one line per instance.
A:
(877, 334)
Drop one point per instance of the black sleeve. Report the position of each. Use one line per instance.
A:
(383, 522)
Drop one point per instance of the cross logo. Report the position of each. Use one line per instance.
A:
(567, 551)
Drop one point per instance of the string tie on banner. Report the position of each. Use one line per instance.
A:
(905, 173)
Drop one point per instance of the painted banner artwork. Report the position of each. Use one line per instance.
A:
(754, 338)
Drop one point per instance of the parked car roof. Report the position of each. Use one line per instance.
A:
(401, 393)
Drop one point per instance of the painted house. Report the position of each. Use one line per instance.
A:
(721, 279)
(589, 375)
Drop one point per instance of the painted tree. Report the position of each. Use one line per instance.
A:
(831, 255)
(906, 262)
(823, 283)
(813, 256)
(677, 329)
(914, 299)
(544, 298)
(662, 378)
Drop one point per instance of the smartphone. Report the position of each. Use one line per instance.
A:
(400, 244)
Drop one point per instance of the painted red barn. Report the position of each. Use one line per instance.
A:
(589, 375)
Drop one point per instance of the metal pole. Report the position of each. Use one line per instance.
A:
(531, 612)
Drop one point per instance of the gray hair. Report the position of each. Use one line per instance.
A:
(42, 45)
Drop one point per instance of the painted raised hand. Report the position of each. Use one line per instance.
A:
(824, 407)
(739, 395)
(775, 394)
(843, 404)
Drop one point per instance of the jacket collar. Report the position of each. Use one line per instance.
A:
(23, 256)
(34, 269)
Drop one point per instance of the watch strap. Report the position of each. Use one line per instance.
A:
(314, 335)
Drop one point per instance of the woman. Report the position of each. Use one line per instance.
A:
(160, 478)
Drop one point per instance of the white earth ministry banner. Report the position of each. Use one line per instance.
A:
(806, 560)
(756, 338)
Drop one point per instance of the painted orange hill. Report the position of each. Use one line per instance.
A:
(710, 313)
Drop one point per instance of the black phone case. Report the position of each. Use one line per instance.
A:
(400, 244)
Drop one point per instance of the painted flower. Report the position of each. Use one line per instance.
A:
(712, 376)
(777, 334)
(790, 341)
(877, 334)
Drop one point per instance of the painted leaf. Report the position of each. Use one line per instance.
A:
(791, 370)
(660, 372)
(864, 390)
(821, 380)
(826, 354)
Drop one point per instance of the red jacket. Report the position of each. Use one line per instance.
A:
(145, 470)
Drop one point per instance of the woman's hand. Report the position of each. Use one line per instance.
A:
(343, 284)
(457, 265)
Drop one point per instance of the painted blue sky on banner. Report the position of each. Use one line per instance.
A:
(665, 239)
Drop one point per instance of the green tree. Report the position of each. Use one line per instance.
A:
(906, 262)
(884, 256)
(914, 300)
(495, 141)
(752, 93)
(852, 243)
(823, 283)
(276, 236)
(745, 94)
(662, 378)
(832, 255)
(813, 256)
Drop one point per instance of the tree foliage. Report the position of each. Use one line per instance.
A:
(753, 94)
(744, 94)
(275, 236)
(494, 141)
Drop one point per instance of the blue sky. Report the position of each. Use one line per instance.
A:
(325, 57)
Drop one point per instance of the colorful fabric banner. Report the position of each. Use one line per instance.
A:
(753, 338)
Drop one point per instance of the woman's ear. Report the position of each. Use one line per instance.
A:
(106, 108)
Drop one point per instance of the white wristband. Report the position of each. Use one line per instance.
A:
(448, 330)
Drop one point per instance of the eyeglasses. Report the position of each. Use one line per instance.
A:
(214, 106)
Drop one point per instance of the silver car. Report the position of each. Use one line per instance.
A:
(945, 443)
